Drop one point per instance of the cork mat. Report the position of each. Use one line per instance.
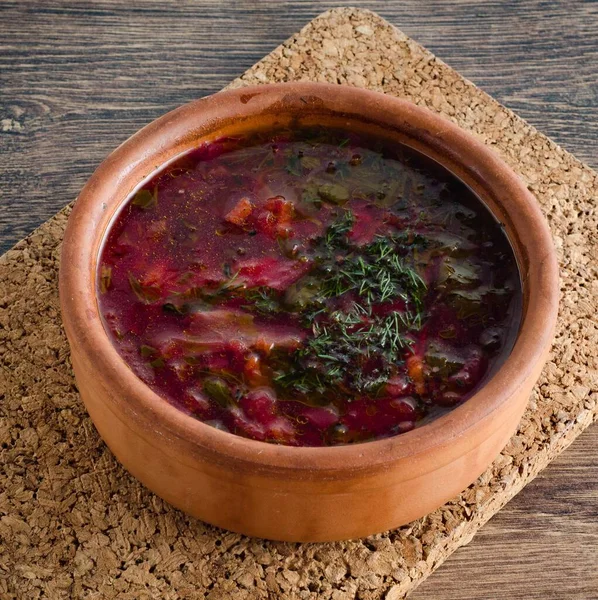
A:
(74, 524)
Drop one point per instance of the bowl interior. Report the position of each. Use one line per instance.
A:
(425, 161)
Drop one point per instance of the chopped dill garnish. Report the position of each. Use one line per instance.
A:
(357, 345)
(360, 303)
(336, 234)
(263, 300)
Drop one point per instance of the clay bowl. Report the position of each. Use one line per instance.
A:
(280, 492)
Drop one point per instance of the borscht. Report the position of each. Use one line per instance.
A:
(309, 287)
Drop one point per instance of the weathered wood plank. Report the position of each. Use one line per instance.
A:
(543, 544)
(77, 79)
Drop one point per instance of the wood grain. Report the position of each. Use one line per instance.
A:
(77, 78)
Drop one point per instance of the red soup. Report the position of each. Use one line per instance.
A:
(309, 287)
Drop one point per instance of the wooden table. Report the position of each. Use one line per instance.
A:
(77, 78)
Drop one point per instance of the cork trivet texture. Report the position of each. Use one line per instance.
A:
(75, 524)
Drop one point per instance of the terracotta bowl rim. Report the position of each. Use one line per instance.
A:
(147, 410)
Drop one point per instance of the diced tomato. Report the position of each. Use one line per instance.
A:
(253, 370)
(266, 222)
(239, 213)
(263, 345)
(284, 231)
(415, 368)
(152, 282)
(280, 207)
(275, 218)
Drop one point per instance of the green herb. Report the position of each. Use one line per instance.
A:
(310, 162)
(105, 278)
(147, 294)
(336, 234)
(302, 293)
(342, 170)
(146, 199)
(293, 166)
(217, 389)
(228, 288)
(147, 351)
(263, 300)
(265, 161)
(309, 196)
(375, 272)
(174, 309)
(333, 193)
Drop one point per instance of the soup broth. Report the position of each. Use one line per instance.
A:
(309, 287)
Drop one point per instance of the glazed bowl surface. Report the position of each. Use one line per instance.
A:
(302, 493)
